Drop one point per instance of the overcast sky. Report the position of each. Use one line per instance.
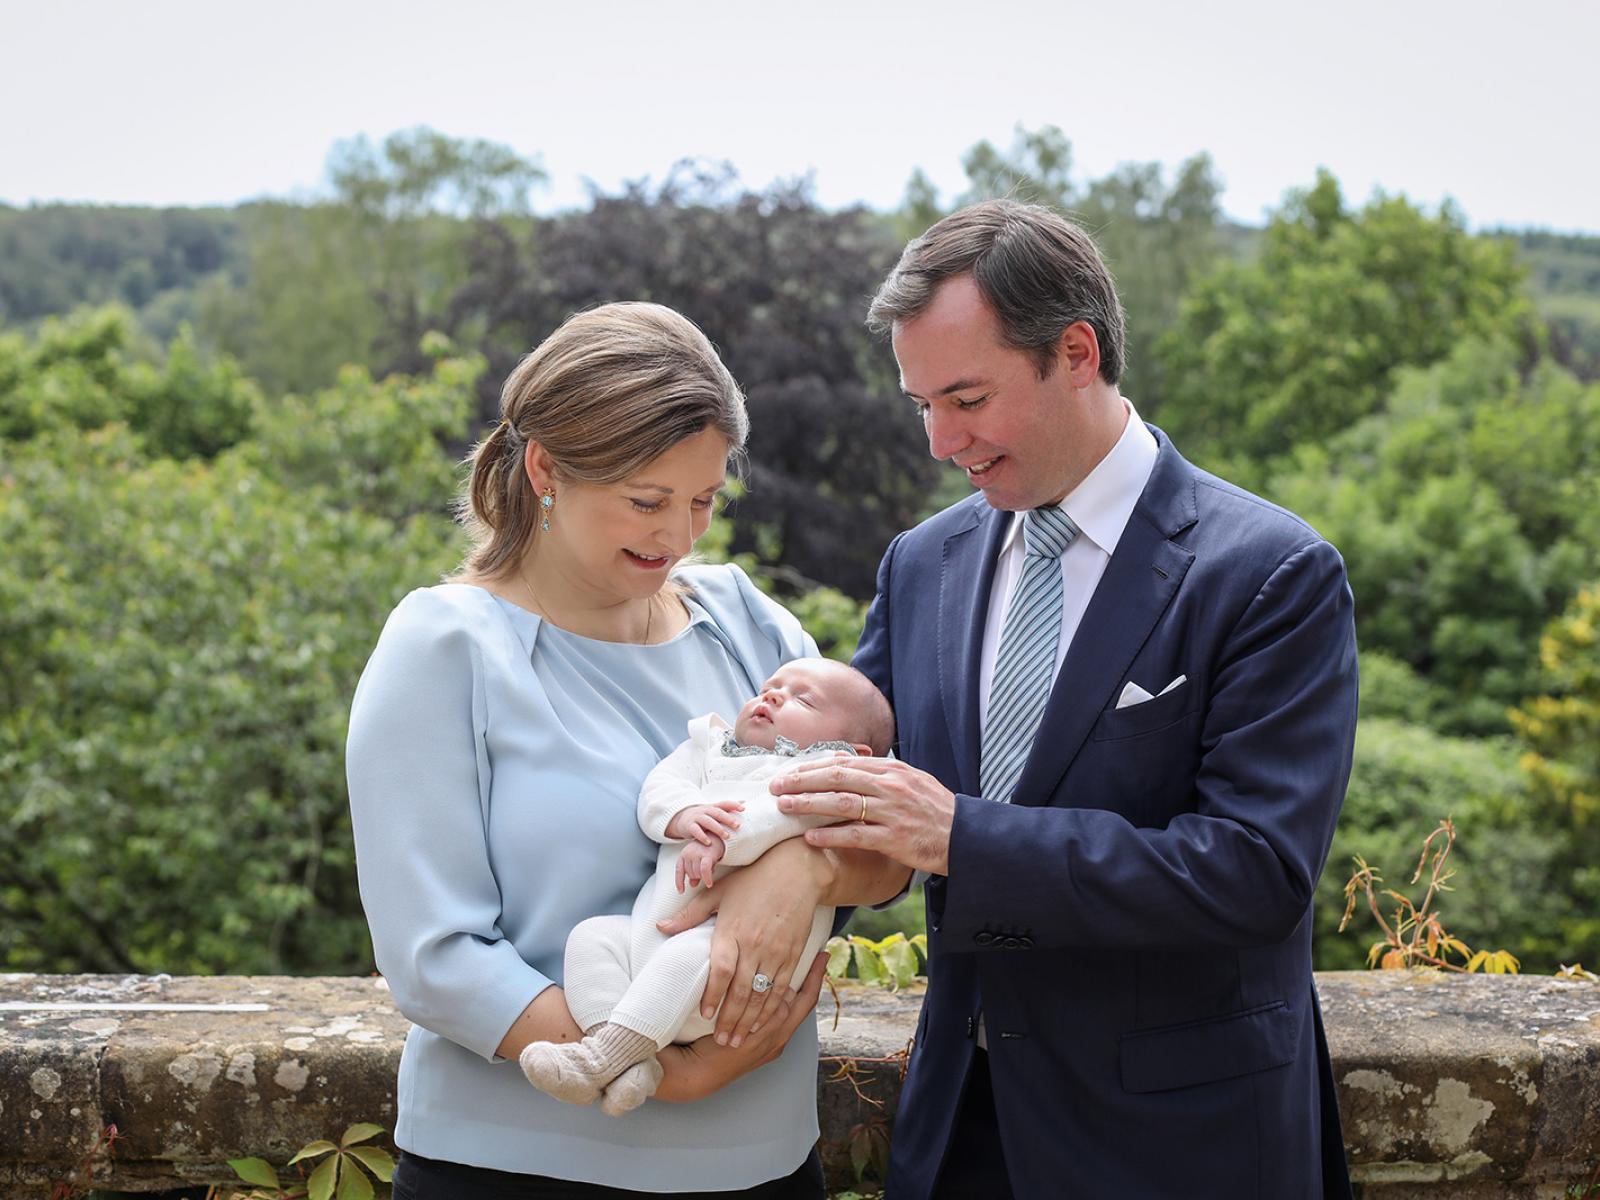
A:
(178, 102)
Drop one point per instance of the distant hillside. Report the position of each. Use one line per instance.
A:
(1564, 280)
(56, 257)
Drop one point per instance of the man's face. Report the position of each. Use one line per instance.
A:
(983, 404)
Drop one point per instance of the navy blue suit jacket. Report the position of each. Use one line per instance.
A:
(1135, 926)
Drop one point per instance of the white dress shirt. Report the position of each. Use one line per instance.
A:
(1100, 507)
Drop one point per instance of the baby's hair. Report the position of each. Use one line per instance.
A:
(873, 723)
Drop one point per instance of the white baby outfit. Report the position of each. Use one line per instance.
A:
(622, 968)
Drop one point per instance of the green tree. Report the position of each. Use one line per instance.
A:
(1466, 511)
(179, 640)
(1299, 344)
(1156, 236)
(1560, 733)
(92, 368)
(838, 463)
(1404, 780)
(361, 277)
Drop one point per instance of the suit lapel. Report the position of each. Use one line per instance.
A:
(966, 580)
(1139, 583)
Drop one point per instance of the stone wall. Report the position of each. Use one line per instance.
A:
(1473, 1088)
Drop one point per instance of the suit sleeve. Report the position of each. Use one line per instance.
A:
(872, 659)
(413, 768)
(1240, 869)
(872, 651)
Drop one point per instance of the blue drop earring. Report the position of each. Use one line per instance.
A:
(546, 502)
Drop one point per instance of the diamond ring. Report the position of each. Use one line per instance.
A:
(761, 983)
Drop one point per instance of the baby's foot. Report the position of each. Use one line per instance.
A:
(632, 1088)
(577, 1071)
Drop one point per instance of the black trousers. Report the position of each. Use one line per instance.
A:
(974, 1165)
(417, 1178)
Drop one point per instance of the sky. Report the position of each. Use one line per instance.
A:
(176, 102)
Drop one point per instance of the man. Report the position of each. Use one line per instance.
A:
(1126, 698)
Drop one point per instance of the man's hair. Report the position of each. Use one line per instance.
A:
(872, 722)
(1036, 269)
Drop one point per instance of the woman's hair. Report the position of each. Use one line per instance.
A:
(605, 394)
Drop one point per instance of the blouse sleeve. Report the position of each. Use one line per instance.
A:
(761, 634)
(416, 769)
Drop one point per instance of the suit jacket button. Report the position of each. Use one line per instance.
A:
(983, 937)
(1012, 943)
(1027, 942)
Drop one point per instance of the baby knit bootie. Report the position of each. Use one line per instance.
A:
(577, 1072)
(632, 1088)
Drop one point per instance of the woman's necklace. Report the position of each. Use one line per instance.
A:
(539, 607)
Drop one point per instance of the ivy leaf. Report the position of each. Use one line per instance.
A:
(375, 1160)
(353, 1185)
(312, 1149)
(838, 957)
(362, 1132)
(860, 1150)
(1503, 962)
(869, 967)
(320, 1185)
(901, 961)
(255, 1170)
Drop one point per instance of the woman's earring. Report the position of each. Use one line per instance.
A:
(546, 502)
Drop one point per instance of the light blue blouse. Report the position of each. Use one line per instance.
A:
(494, 764)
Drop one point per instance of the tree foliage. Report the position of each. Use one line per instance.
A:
(56, 257)
(361, 276)
(1292, 348)
(1466, 512)
(1156, 235)
(1560, 733)
(179, 640)
(1405, 780)
(838, 465)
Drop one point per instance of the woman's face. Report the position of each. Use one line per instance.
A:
(617, 542)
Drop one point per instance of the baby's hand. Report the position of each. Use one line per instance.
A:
(705, 823)
(696, 861)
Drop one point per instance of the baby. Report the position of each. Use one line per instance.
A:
(632, 989)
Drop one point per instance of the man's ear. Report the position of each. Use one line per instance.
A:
(1078, 354)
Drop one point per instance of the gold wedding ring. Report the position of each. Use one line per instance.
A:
(863, 815)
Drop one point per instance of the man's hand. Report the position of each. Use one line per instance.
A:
(696, 861)
(883, 804)
(705, 823)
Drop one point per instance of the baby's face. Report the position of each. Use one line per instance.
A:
(802, 701)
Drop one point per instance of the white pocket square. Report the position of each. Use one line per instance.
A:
(1133, 694)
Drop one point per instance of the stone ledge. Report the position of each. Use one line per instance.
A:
(1476, 1088)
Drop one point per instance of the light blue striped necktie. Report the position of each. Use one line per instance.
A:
(1025, 666)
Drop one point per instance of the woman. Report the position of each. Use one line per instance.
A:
(498, 739)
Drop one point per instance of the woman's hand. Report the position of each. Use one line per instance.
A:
(700, 1068)
(764, 915)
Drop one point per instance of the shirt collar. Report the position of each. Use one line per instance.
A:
(1101, 505)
